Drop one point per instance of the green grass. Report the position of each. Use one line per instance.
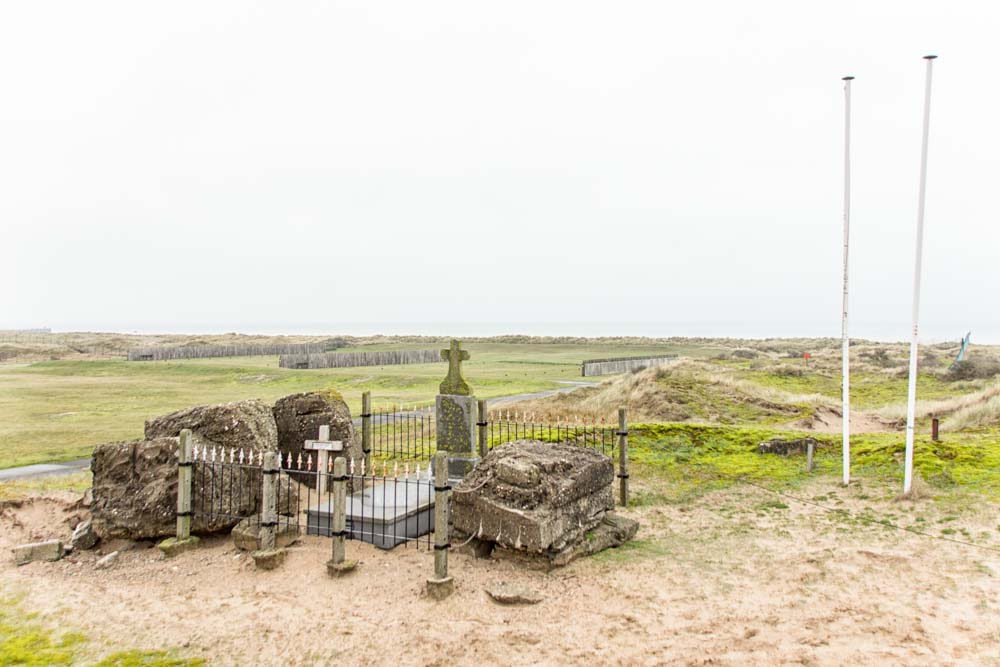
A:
(27, 639)
(18, 488)
(868, 390)
(58, 410)
(687, 460)
(700, 399)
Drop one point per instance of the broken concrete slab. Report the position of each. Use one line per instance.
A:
(534, 496)
(513, 594)
(84, 536)
(50, 550)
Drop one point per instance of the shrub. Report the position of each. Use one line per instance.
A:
(975, 368)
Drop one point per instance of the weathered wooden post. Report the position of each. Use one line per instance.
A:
(935, 428)
(482, 424)
(810, 448)
(441, 585)
(366, 428)
(184, 540)
(338, 566)
(623, 457)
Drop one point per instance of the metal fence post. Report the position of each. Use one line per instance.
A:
(184, 482)
(623, 457)
(482, 424)
(338, 566)
(366, 428)
(441, 585)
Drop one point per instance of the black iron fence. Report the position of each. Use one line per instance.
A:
(387, 504)
(226, 486)
(403, 433)
(502, 427)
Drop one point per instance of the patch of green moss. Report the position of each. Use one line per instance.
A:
(332, 394)
(687, 460)
(147, 659)
(634, 550)
(26, 640)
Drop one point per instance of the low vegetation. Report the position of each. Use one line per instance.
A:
(27, 639)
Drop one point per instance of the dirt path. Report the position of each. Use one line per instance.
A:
(738, 578)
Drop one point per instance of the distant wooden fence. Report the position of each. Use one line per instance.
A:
(208, 351)
(350, 359)
(593, 367)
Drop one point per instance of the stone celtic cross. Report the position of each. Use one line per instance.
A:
(454, 383)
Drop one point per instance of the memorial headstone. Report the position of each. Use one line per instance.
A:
(456, 415)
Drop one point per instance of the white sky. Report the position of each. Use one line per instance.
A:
(517, 167)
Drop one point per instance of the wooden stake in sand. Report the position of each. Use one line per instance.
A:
(911, 399)
(845, 352)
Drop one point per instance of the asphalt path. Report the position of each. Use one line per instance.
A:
(69, 467)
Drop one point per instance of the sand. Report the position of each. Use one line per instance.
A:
(734, 578)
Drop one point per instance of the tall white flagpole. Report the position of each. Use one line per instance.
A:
(911, 400)
(845, 352)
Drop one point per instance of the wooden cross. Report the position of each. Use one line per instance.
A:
(454, 383)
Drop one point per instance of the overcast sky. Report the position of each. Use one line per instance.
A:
(645, 168)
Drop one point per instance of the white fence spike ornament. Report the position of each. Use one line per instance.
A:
(300, 461)
(395, 469)
(241, 456)
(309, 463)
(350, 466)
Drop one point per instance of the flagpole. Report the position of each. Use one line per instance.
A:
(911, 400)
(845, 340)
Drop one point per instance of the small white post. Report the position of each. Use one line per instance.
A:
(911, 399)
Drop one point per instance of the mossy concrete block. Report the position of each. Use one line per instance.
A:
(439, 589)
(340, 569)
(172, 546)
(51, 550)
(269, 559)
(246, 534)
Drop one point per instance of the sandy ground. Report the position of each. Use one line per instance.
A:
(831, 420)
(735, 578)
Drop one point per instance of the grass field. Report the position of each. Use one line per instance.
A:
(732, 541)
(58, 410)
